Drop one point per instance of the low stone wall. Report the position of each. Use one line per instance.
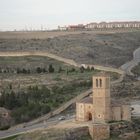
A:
(58, 134)
(99, 131)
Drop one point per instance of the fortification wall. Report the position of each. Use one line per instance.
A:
(99, 131)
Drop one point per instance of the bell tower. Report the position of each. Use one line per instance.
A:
(101, 98)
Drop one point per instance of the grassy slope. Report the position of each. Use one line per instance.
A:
(105, 48)
(49, 79)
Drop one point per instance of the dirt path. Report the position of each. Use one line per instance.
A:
(38, 53)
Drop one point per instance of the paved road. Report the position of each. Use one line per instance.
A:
(21, 130)
(136, 106)
(24, 129)
(16, 131)
(127, 67)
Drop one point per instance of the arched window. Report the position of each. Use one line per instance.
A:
(96, 82)
(100, 82)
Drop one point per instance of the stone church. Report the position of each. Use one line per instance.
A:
(99, 107)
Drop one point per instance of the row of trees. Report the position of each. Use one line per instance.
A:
(50, 69)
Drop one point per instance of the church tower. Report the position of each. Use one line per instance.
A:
(101, 98)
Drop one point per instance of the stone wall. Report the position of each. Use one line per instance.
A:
(84, 112)
(80, 112)
(122, 112)
(78, 133)
(116, 113)
(126, 112)
(99, 131)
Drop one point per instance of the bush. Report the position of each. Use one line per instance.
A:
(5, 127)
(51, 68)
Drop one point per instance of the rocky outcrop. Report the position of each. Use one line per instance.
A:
(126, 130)
(128, 136)
(5, 118)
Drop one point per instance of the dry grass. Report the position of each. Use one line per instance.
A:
(51, 34)
(111, 48)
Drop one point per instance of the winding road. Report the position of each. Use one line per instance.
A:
(127, 67)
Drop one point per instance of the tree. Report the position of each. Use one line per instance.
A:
(18, 70)
(44, 70)
(82, 69)
(72, 70)
(92, 68)
(51, 68)
(24, 71)
(10, 86)
(28, 71)
(88, 68)
(60, 69)
(11, 101)
(38, 70)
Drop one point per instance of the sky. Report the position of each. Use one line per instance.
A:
(27, 14)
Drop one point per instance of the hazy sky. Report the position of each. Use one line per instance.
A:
(21, 14)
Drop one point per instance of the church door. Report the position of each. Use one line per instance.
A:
(90, 116)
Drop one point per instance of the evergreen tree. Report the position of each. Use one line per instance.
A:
(38, 70)
(60, 69)
(51, 68)
(82, 69)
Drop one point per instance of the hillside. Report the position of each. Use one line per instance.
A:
(104, 48)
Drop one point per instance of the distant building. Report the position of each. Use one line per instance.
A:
(72, 27)
(64, 28)
(76, 27)
(101, 25)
